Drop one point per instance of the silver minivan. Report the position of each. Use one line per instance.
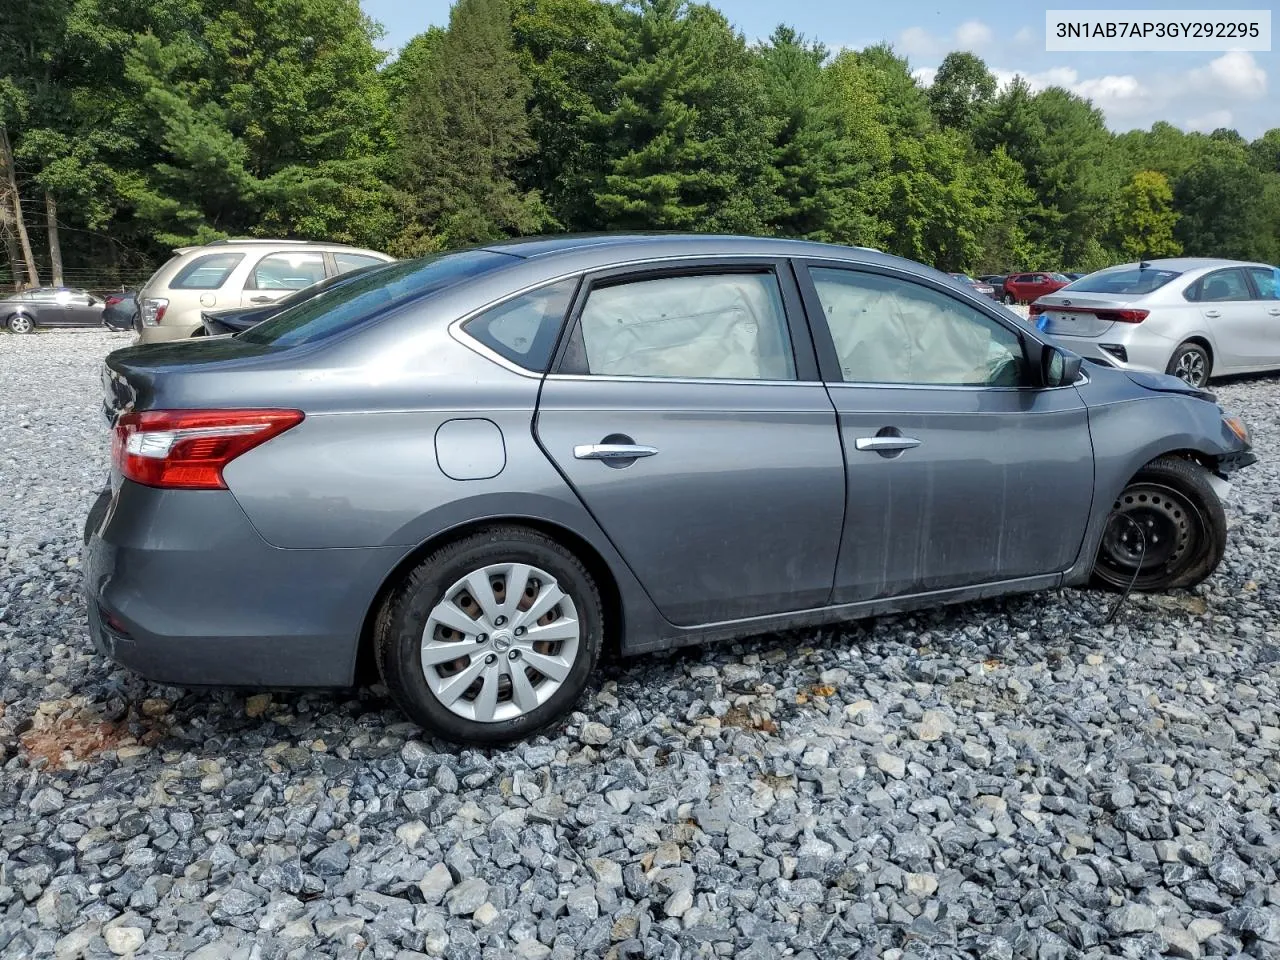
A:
(236, 273)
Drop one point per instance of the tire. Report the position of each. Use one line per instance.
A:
(1008, 299)
(20, 323)
(1189, 362)
(438, 589)
(1184, 525)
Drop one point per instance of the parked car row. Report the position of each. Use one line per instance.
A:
(483, 468)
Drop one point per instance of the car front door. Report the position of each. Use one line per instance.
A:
(277, 275)
(1236, 320)
(686, 411)
(960, 471)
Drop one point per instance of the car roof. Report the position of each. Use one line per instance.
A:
(251, 243)
(1183, 264)
(584, 251)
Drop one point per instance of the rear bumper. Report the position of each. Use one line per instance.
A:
(165, 332)
(181, 589)
(1137, 350)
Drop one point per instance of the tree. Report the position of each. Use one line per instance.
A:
(464, 134)
(1228, 207)
(688, 135)
(1145, 218)
(572, 52)
(962, 88)
(269, 118)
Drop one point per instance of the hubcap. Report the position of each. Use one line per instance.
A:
(20, 325)
(1170, 529)
(500, 643)
(1190, 367)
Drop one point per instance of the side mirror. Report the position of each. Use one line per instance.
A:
(1058, 368)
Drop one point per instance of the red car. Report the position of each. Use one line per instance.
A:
(1026, 287)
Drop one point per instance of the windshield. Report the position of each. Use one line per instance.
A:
(350, 303)
(1125, 280)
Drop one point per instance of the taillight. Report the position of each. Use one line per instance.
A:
(188, 449)
(153, 309)
(1122, 316)
(113, 299)
(1036, 309)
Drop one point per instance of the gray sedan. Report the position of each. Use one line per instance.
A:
(50, 307)
(486, 467)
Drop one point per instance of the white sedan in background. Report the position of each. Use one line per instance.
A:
(1193, 317)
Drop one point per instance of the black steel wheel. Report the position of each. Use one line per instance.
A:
(1167, 529)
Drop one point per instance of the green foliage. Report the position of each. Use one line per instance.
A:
(688, 136)
(962, 89)
(1145, 218)
(463, 134)
(1228, 206)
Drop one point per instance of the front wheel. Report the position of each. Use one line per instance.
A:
(1191, 363)
(1008, 298)
(1167, 529)
(492, 637)
(18, 323)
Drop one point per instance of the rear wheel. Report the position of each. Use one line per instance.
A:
(1008, 298)
(1191, 363)
(19, 323)
(1167, 529)
(492, 637)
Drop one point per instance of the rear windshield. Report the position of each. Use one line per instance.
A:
(1124, 280)
(349, 303)
(206, 273)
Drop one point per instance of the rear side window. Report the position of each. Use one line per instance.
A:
(207, 272)
(354, 261)
(1124, 280)
(1220, 287)
(354, 301)
(713, 326)
(286, 271)
(525, 328)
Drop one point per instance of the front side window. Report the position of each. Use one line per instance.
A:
(1224, 285)
(208, 272)
(891, 331)
(525, 328)
(354, 261)
(1267, 282)
(705, 326)
(287, 271)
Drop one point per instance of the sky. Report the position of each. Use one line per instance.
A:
(1195, 91)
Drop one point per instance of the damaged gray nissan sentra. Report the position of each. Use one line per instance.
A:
(481, 468)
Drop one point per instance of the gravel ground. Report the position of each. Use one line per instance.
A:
(1003, 779)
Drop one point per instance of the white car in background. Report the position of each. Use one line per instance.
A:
(1189, 316)
(236, 273)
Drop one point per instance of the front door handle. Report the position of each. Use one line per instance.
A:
(1274, 313)
(612, 451)
(881, 444)
(1213, 313)
(260, 300)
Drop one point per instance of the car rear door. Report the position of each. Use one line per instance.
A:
(277, 275)
(83, 310)
(1237, 321)
(959, 471)
(1266, 290)
(686, 411)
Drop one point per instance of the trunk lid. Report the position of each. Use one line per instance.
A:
(168, 374)
(1071, 314)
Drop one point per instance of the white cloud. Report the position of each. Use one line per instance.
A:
(973, 34)
(924, 75)
(1236, 74)
(1025, 37)
(1210, 121)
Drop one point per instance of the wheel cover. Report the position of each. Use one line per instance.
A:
(500, 643)
(1190, 367)
(20, 325)
(1171, 525)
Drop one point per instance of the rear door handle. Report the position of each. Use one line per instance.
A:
(612, 451)
(259, 299)
(1213, 313)
(1274, 313)
(881, 444)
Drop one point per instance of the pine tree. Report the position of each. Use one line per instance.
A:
(464, 132)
